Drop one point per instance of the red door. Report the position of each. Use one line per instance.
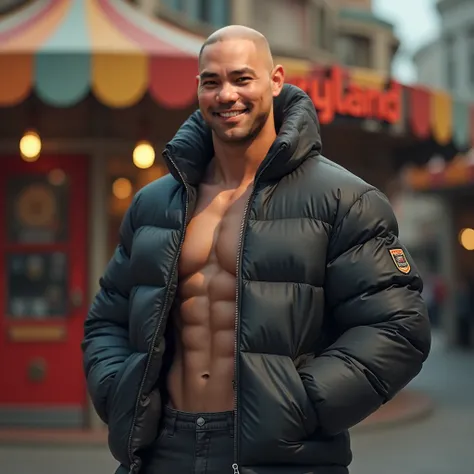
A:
(43, 277)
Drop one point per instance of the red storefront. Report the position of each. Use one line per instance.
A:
(87, 83)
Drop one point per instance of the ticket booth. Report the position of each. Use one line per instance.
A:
(43, 292)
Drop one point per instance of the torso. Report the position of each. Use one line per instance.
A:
(202, 373)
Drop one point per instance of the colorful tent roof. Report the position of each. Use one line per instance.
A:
(63, 49)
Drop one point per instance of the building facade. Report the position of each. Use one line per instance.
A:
(364, 39)
(324, 30)
(447, 64)
(448, 61)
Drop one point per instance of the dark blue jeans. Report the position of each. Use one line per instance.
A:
(192, 443)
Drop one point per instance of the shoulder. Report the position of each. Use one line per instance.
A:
(335, 178)
(160, 187)
(358, 210)
(154, 198)
(340, 189)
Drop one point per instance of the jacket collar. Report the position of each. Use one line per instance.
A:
(189, 152)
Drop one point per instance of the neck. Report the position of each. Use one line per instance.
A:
(236, 165)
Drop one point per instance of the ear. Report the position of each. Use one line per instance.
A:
(278, 79)
(198, 81)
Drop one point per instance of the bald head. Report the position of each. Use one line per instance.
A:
(244, 33)
(237, 77)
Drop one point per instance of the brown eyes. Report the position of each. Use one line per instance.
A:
(240, 80)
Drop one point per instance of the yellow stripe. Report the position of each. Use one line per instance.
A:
(119, 67)
(293, 67)
(441, 117)
(367, 78)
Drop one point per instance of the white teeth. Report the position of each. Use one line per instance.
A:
(232, 114)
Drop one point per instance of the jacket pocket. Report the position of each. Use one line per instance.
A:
(272, 388)
(307, 408)
(121, 404)
(274, 408)
(309, 418)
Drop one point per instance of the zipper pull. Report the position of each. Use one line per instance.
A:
(235, 467)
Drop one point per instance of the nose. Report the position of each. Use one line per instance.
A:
(227, 93)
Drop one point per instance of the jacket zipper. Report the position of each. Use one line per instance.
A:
(235, 465)
(134, 464)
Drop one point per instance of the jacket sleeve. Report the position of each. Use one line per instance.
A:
(106, 345)
(373, 301)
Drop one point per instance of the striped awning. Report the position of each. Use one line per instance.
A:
(65, 49)
(458, 172)
(437, 114)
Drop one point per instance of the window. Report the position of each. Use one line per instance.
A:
(318, 26)
(176, 5)
(322, 28)
(354, 50)
(211, 12)
(205, 11)
(450, 63)
(283, 22)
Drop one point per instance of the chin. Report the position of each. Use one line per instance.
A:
(235, 137)
(231, 135)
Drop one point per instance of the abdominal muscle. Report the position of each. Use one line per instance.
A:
(202, 373)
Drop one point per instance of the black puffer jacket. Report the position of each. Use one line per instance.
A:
(331, 325)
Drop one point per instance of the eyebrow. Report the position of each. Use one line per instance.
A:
(236, 72)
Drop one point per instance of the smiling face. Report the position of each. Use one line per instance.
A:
(236, 87)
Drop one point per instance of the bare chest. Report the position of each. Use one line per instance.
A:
(213, 234)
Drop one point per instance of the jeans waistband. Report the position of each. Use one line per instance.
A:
(181, 420)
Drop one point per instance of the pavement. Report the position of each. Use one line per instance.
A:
(441, 443)
(427, 429)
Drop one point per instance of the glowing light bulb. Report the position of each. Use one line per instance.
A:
(143, 155)
(466, 238)
(30, 146)
(122, 188)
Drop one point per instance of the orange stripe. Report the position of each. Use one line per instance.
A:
(16, 85)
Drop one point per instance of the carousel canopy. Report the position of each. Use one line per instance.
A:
(63, 49)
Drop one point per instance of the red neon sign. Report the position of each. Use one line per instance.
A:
(330, 97)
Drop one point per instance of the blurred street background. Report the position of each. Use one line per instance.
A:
(91, 91)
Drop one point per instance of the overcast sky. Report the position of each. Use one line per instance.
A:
(416, 23)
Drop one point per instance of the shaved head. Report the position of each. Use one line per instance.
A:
(237, 82)
(239, 32)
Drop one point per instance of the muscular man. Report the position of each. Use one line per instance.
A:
(259, 303)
